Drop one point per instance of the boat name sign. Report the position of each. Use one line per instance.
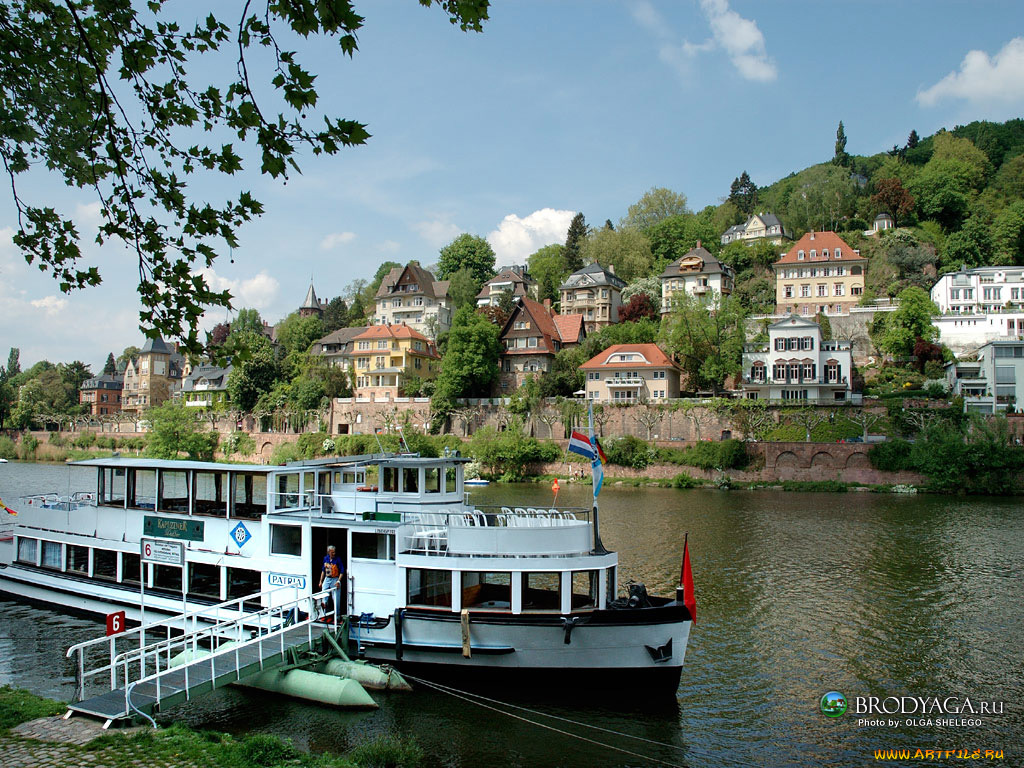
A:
(287, 580)
(173, 528)
(163, 552)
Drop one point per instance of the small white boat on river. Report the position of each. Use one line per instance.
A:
(432, 583)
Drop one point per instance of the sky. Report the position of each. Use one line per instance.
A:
(558, 106)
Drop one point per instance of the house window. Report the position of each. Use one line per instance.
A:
(805, 291)
(808, 371)
(800, 255)
(822, 289)
(838, 253)
(832, 372)
(814, 253)
(838, 289)
(532, 342)
(806, 342)
(788, 291)
(824, 253)
(857, 290)
(779, 372)
(418, 301)
(780, 345)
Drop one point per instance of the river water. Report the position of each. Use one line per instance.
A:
(798, 594)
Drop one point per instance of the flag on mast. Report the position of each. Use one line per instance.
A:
(686, 581)
(596, 465)
(579, 443)
(8, 509)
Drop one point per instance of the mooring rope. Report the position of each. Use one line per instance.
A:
(466, 696)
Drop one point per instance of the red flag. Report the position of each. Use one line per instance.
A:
(686, 581)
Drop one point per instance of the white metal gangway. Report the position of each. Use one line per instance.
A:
(220, 644)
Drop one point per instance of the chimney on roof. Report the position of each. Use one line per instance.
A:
(611, 268)
(547, 305)
(698, 243)
(812, 234)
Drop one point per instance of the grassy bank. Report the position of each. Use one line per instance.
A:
(179, 745)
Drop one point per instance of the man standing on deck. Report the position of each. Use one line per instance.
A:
(330, 576)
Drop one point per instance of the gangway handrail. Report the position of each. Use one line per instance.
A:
(273, 629)
(111, 641)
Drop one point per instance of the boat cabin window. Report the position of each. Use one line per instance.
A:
(250, 494)
(542, 591)
(584, 589)
(350, 477)
(53, 555)
(142, 488)
(76, 559)
(287, 491)
(449, 480)
(432, 480)
(285, 540)
(27, 550)
(104, 564)
(373, 546)
(173, 496)
(112, 486)
(410, 480)
(242, 582)
(610, 588)
(204, 580)
(390, 483)
(130, 565)
(309, 489)
(210, 491)
(167, 577)
(430, 587)
(491, 590)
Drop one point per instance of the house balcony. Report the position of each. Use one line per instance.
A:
(821, 381)
(624, 382)
(204, 403)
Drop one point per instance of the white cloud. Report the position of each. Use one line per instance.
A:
(983, 80)
(335, 239)
(437, 232)
(51, 305)
(389, 246)
(516, 238)
(89, 214)
(740, 38)
(258, 291)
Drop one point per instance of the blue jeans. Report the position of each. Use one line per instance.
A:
(331, 583)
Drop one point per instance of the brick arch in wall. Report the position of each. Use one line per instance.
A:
(266, 449)
(823, 460)
(858, 460)
(786, 460)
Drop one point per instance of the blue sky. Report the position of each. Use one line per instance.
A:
(557, 107)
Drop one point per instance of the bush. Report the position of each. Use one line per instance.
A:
(311, 444)
(240, 443)
(827, 486)
(102, 441)
(683, 480)
(84, 440)
(510, 452)
(387, 752)
(7, 448)
(29, 445)
(629, 451)
(284, 453)
(891, 456)
(58, 440)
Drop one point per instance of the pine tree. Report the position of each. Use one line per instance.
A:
(912, 140)
(841, 157)
(110, 367)
(743, 193)
(574, 242)
(608, 225)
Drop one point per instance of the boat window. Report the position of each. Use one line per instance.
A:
(130, 565)
(250, 495)
(112, 486)
(432, 480)
(104, 564)
(210, 494)
(52, 555)
(390, 480)
(373, 546)
(542, 591)
(410, 480)
(348, 477)
(449, 480)
(491, 590)
(204, 580)
(285, 540)
(242, 582)
(27, 549)
(173, 492)
(584, 589)
(142, 488)
(309, 489)
(76, 559)
(287, 496)
(430, 587)
(167, 577)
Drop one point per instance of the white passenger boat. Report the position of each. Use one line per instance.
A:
(432, 583)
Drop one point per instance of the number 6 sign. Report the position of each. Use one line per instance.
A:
(115, 623)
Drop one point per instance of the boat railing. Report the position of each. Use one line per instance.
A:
(430, 532)
(212, 615)
(56, 501)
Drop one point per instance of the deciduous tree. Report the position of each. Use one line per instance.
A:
(469, 251)
(117, 97)
(657, 204)
(707, 338)
(911, 320)
(890, 197)
(176, 429)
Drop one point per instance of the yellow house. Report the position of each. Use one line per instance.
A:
(382, 354)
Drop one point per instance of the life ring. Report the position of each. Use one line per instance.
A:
(372, 488)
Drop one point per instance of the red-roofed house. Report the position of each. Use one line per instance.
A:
(383, 355)
(631, 372)
(821, 274)
(531, 338)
